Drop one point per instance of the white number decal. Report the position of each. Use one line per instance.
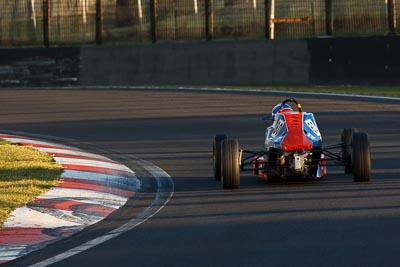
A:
(313, 127)
(278, 128)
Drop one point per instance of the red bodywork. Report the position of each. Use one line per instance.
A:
(295, 138)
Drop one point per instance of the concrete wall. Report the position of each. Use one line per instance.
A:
(197, 63)
(374, 60)
(308, 61)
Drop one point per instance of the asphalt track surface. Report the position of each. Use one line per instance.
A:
(334, 222)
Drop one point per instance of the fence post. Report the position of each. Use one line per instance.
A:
(46, 23)
(269, 19)
(99, 22)
(267, 4)
(209, 20)
(391, 16)
(153, 15)
(328, 17)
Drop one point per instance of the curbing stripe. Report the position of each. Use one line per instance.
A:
(113, 186)
(77, 153)
(165, 191)
(18, 236)
(87, 196)
(93, 163)
(81, 184)
(96, 169)
(73, 205)
(90, 190)
(25, 217)
(104, 178)
(35, 143)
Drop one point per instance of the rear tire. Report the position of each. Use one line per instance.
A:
(361, 158)
(347, 140)
(230, 164)
(217, 145)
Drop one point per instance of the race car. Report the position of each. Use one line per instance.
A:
(293, 150)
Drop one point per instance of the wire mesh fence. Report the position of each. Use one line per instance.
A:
(72, 21)
(125, 21)
(20, 22)
(355, 17)
(180, 20)
(239, 19)
(309, 14)
(397, 16)
(66, 22)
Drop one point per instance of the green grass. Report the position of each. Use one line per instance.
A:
(388, 91)
(357, 90)
(24, 174)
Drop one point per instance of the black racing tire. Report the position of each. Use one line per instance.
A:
(361, 157)
(347, 139)
(230, 164)
(217, 145)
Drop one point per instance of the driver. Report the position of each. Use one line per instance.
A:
(279, 108)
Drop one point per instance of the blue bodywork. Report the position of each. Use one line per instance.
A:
(311, 130)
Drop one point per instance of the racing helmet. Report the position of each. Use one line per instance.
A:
(278, 107)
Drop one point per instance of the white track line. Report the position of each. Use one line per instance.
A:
(232, 90)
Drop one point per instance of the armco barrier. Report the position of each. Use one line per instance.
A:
(368, 60)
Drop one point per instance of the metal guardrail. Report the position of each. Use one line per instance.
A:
(76, 22)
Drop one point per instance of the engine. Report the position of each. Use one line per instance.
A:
(293, 164)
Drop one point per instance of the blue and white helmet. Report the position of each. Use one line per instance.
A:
(278, 107)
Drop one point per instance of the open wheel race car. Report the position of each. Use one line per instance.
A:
(293, 150)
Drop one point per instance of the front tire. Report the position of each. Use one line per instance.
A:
(230, 164)
(217, 145)
(361, 158)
